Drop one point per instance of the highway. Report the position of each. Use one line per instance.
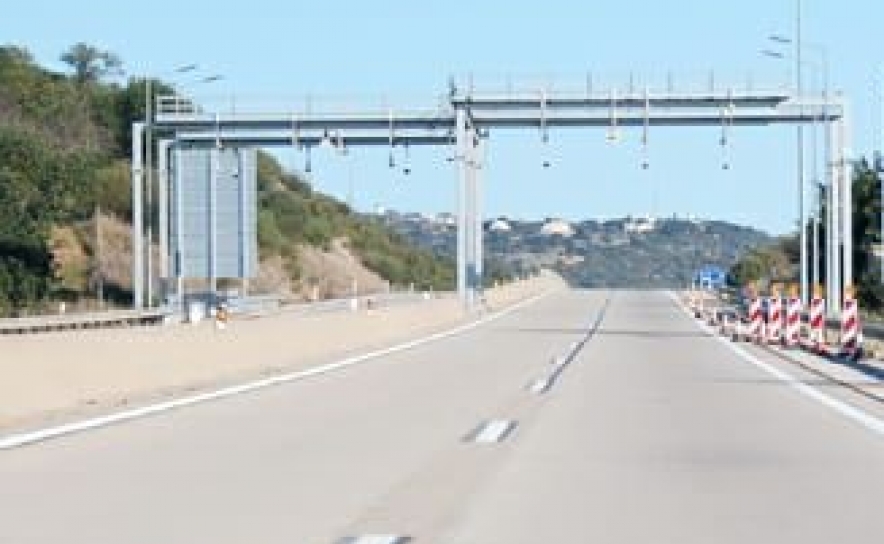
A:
(583, 417)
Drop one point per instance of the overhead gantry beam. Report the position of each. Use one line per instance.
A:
(465, 119)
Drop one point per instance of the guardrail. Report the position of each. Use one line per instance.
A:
(340, 304)
(257, 306)
(98, 320)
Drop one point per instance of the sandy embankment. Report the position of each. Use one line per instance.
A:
(50, 377)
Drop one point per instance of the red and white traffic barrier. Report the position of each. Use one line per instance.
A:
(817, 321)
(774, 320)
(851, 335)
(756, 320)
(793, 322)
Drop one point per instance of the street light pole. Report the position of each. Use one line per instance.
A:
(800, 138)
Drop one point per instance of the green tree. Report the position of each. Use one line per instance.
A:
(90, 64)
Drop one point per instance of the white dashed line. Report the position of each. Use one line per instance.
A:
(540, 386)
(375, 539)
(492, 432)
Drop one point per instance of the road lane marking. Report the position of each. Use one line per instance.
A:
(375, 539)
(27, 438)
(851, 412)
(492, 432)
(540, 385)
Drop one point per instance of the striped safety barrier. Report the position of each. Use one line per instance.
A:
(756, 320)
(851, 335)
(793, 322)
(774, 319)
(817, 322)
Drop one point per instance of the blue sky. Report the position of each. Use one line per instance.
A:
(283, 50)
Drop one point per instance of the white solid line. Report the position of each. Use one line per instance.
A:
(865, 419)
(27, 438)
(494, 431)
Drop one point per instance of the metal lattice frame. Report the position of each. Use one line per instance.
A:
(466, 121)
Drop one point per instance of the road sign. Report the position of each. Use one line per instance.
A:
(214, 223)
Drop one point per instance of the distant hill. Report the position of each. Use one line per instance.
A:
(637, 253)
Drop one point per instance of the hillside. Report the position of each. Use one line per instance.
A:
(64, 169)
(616, 253)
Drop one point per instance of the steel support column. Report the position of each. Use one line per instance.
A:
(477, 204)
(137, 215)
(463, 169)
(176, 176)
(214, 170)
(163, 197)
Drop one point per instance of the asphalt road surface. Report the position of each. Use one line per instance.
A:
(586, 417)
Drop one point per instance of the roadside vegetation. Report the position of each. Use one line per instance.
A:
(779, 262)
(64, 164)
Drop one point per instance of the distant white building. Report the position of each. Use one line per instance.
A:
(557, 227)
(500, 225)
(447, 219)
(642, 225)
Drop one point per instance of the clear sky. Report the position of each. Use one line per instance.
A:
(285, 49)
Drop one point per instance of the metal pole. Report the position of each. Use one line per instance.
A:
(815, 177)
(827, 143)
(800, 136)
(148, 182)
(847, 199)
(469, 221)
(214, 167)
(816, 236)
(241, 160)
(137, 216)
(179, 279)
(479, 234)
(461, 134)
(835, 223)
(878, 176)
(163, 196)
(354, 283)
(830, 246)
